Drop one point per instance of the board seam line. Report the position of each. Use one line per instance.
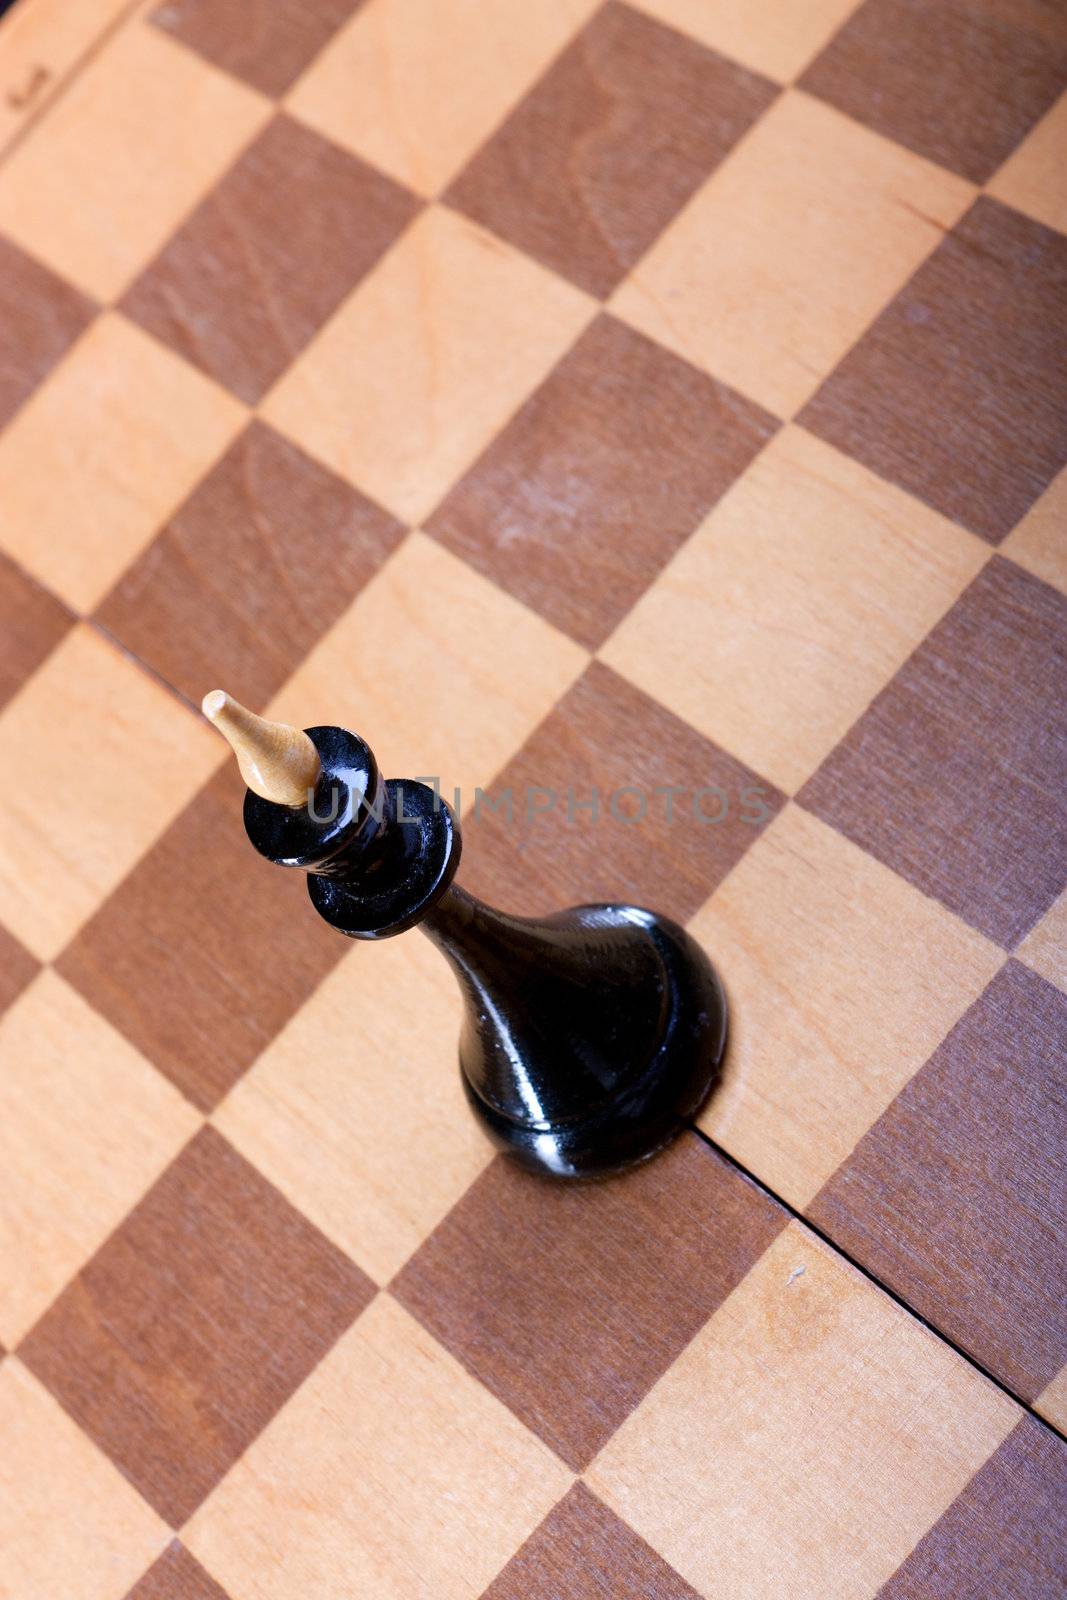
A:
(831, 1242)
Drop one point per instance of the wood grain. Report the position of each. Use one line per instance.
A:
(457, 1481)
(32, 622)
(789, 250)
(238, 585)
(289, 232)
(592, 486)
(582, 1551)
(1032, 179)
(94, 210)
(86, 1126)
(611, 143)
(842, 979)
(1052, 1401)
(999, 1536)
(43, 42)
(612, 1282)
(954, 1196)
(960, 84)
(434, 80)
(448, 335)
(1037, 542)
(807, 586)
(806, 1391)
(136, 756)
(193, 1324)
(202, 997)
(1045, 947)
(40, 317)
(932, 396)
(177, 1576)
(953, 776)
(522, 499)
(356, 1110)
(607, 782)
(17, 968)
(442, 672)
(55, 1481)
(267, 43)
(101, 453)
(759, 33)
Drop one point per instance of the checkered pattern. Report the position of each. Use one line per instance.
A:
(561, 394)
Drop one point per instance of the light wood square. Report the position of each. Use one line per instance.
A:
(765, 35)
(1051, 1403)
(141, 134)
(426, 360)
(391, 1473)
(97, 760)
(86, 1124)
(1034, 177)
(415, 86)
(70, 1524)
(40, 43)
(790, 250)
(1045, 947)
(440, 671)
(805, 1440)
(99, 456)
(356, 1111)
(842, 980)
(807, 587)
(1039, 541)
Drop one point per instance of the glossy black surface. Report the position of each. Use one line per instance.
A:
(377, 853)
(338, 828)
(588, 1036)
(394, 885)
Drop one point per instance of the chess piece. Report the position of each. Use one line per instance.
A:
(588, 1036)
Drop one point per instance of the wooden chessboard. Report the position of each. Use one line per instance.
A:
(653, 411)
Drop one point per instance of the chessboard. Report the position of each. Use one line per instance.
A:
(646, 419)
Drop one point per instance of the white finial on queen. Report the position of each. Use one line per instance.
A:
(277, 762)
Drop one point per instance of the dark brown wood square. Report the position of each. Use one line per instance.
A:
(32, 622)
(248, 574)
(17, 968)
(610, 782)
(194, 1323)
(612, 1281)
(268, 43)
(597, 159)
(955, 1197)
(264, 260)
(959, 81)
(176, 1576)
(40, 318)
(1003, 1535)
(958, 391)
(582, 1551)
(201, 992)
(954, 776)
(587, 493)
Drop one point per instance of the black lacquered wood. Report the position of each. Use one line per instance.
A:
(588, 1036)
(338, 828)
(396, 882)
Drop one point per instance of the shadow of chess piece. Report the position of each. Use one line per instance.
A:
(588, 1036)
